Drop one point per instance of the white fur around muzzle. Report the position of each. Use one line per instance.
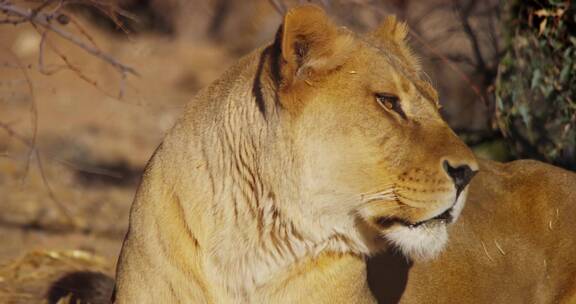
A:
(424, 242)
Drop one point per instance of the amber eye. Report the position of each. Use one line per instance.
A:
(390, 102)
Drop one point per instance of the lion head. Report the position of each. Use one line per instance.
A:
(362, 132)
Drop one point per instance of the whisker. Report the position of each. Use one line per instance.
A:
(382, 189)
(378, 197)
(392, 208)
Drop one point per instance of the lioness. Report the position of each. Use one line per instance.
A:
(274, 184)
(514, 243)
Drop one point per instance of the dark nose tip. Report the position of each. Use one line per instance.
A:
(460, 175)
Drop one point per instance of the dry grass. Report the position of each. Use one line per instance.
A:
(25, 280)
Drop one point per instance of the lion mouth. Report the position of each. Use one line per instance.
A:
(445, 217)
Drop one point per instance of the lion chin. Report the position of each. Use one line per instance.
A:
(420, 243)
(424, 241)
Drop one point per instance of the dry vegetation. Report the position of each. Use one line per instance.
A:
(88, 88)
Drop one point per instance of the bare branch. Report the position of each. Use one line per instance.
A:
(79, 72)
(492, 17)
(434, 52)
(13, 21)
(464, 15)
(451, 65)
(33, 111)
(40, 164)
(44, 20)
(41, 67)
(63, 210)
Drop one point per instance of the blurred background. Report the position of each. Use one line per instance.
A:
(89, 87)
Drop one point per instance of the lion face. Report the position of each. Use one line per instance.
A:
(373, 145)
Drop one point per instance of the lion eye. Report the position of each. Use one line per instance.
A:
(390, 102)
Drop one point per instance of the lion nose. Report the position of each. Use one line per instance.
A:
(460, 175)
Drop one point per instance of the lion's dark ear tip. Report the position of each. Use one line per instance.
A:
(82, 287)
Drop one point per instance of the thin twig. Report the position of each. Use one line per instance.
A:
(41, 67)
(84, 33)
(63, 210)
(492, 32)
(68, 65)
(464, 15)
(78, 71)
(33, 112)
(451, 65)
(36, 153)
(442, 57)
(43, 20)
(13, 21)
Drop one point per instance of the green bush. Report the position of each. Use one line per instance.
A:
(536, 83)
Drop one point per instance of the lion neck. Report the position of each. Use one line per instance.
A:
(262, 231)
(261, 249)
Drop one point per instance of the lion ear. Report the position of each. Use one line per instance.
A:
(392, 35)
(311, 43)
(392, 30)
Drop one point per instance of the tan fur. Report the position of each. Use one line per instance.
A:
(273, 186)
(514, 243)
